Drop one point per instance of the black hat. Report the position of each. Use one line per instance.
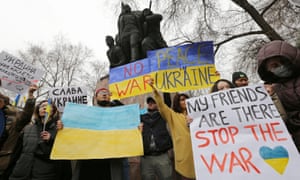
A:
(238, 75)
(150, 99)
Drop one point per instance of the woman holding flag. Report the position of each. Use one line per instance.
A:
(34, 162)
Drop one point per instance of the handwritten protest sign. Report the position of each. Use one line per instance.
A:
(239, 134)
(196, 54)
(61, 95)
(17, 75)
(180, 68)
(96, 133)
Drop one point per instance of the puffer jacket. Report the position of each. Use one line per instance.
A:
(17, 121)
(288, 90)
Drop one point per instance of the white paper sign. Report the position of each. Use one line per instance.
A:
(17, 75)
(239, 134)
(61, 95)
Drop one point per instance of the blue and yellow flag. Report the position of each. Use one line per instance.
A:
(178, 68)
(98, 133)
(47, 114)
(48, 110)
(16, 101)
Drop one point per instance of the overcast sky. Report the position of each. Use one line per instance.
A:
(38, 21)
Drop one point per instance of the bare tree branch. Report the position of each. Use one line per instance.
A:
(268, 7)
(269, 31)
(218, 45)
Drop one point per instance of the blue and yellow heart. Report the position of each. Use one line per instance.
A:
(277, 158)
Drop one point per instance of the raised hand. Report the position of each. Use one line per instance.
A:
(31, 90)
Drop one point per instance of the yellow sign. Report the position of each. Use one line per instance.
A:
(171, 80)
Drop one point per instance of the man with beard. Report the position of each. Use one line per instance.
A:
(240, 79)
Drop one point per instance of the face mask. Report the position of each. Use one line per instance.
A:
(282, 71)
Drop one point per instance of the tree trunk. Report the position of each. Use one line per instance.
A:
(261, 22)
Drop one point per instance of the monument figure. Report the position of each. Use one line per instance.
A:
(153, 38)
(129, 34)
(115, 54)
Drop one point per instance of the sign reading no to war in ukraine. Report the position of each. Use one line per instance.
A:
(179, 68)
(239, 134)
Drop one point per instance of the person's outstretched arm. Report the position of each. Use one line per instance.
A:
(24, 118)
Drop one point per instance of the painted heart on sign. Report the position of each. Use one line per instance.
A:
(277, 158)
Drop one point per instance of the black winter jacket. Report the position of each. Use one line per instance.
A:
(155, 125)
(34, 162)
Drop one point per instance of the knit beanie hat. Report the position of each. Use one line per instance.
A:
(238, 75)
(101, 89)
(150, 99)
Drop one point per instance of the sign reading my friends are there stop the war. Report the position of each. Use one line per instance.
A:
(239, 134)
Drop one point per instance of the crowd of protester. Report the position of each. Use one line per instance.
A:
(28, 137)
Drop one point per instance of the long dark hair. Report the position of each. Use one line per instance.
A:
(176, 102)
(214, 88)
(54, 114)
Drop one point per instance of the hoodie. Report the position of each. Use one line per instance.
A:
(287, 89)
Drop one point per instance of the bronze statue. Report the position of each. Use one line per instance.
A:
(138, 32)
(129, 35)
(153, 38)
(115, 54)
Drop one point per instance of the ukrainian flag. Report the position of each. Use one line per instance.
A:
(48, 110)
(96, 133)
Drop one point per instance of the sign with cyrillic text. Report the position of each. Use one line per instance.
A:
(61, 95)
(17, 75)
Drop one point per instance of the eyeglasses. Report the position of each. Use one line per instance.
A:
(103, 92)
